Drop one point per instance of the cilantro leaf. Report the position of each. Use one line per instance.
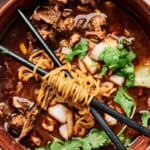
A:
(125, 140)
(124, 100)
(100, 139)
(104, 70)
(79, 50)
(145, 118)
(95, 139)
(119, 60)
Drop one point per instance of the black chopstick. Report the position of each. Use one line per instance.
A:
(31, 66)
(107, 129)
(26, 63)
(94, 102)
(123, 119)
(41, 40)
(52, 55)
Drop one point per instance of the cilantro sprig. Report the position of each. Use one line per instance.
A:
(124, 100)
(119, 60)
(95, 139)
(79, 49)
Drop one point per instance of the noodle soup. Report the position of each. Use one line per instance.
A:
(107, 59)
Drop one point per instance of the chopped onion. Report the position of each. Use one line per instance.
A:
(63, 130)
(119, 80)
(58, 112)
(142, 74)
(110, 120)
(91, 65)
(99, 48)
(66, 50)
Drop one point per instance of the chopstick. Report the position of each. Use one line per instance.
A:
(52, 55)
(94, 103)
(30, 65)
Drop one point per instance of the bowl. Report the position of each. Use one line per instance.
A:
(139, 9)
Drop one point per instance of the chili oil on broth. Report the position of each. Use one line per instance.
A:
(17, 35)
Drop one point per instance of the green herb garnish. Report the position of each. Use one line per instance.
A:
(119, 60)
(145, 118)
(125, 140)
(104, 70)
(79, 50)
(95, 139)
(124, 100)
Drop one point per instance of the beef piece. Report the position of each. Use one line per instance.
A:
(21, 103)
(100, 34)
(21, 124)
(30, 117)
(66, 24)
(67, 12)
(16, 124)
(50, 15)
(4, 111)
(97, 22)
(74, 39)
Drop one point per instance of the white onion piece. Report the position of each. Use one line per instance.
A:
(110, 120)
(63, 130)
(119, 80)
(58, 112)
(91, 65)
(99, 48)
(66, 50)
(142, 74)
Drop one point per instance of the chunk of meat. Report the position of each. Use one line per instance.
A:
(84, 21)
(30, 117)
(21, 103)
(82, 66)
(4, 110)
(47, 33)
(48, 124)
(97, 22)
(140, 143)
(50, 15)
(99, 34)
(67, 12)
(36, 140)
(66, 24)
(16, 124)
(74, 39)
(64, 43)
